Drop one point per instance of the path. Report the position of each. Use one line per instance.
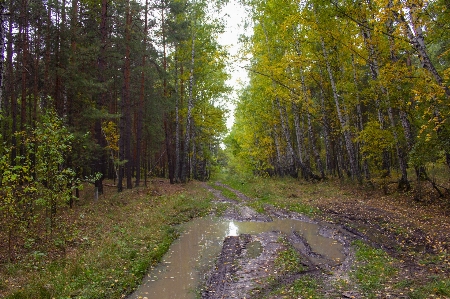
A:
(241, 273)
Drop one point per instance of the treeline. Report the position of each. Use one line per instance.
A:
(355, 89)
(91, 90)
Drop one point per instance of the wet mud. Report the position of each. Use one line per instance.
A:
(324, 250)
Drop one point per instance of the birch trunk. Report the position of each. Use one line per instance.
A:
(298, 132)
(416, 39)
(290, 155)
(278, 158)
(403, 183)
(415, 36)
(360, 123)
(326, 131)
(312, 139)
(314, 148)
(344, 125)
(373, 63)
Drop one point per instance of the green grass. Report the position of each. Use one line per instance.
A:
(373, 268)
(436, 287)
(284, 193)
(288, 260)
(304, 287)
(119, 239)
(220, 208)
(225, 192)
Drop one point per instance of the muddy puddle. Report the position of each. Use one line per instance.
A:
(197, 248)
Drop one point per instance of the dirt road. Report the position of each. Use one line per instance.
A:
(283, 258)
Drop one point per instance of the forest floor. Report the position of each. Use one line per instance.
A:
(99, 249)
(394, 247)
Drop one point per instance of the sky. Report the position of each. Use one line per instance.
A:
(234, 16)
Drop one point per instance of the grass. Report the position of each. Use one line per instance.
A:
(304, 287)
(285, 193)
(288, 260)
(225, 192)
(116, 240)
(436, 287)
(373, 268)
(220, 208)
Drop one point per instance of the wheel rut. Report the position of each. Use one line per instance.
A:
(285, 255)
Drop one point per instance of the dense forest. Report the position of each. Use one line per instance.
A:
(101, 96)
(351, 89)
(105, 89)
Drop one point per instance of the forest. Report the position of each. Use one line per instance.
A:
(354, 89)
(101, 95)
(105, 89)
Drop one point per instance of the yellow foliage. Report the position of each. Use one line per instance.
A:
(111, 133)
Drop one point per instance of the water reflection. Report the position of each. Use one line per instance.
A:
(232, 229)
(198, 246)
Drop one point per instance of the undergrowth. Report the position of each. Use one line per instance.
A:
(117, 240)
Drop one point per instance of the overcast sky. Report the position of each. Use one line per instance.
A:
(234, 14)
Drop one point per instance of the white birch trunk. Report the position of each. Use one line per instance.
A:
(298, 132)
(344, 125)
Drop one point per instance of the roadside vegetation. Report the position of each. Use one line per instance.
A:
(103, 249)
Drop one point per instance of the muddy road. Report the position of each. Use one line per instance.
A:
(315, 250)
(352, 248)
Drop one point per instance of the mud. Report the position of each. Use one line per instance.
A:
(239, 274)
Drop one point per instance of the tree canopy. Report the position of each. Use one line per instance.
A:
(346, 88)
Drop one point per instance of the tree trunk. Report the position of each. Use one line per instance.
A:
(312, 139)
(314, 148)
(23, 33)
(127, 100)
(403, 183)
(290, 155)
(140, 113)
(298, 132)
(193, 160)
(177, 128)
(347, 134)
(101, 156)
(2, 51)
(168, 141)
(279, 169)
(360, 122)
(11, 92)
(190, 106)
(415, 36)
(373, 64)
(326, 130)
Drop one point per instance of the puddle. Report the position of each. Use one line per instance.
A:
(254, 249)
(195, 251)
